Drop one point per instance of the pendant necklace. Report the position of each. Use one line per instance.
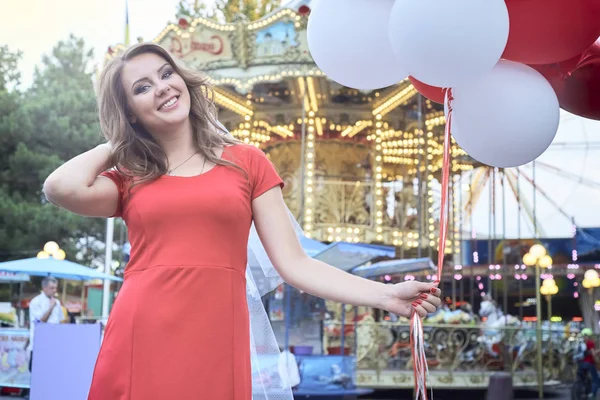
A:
(170, 171)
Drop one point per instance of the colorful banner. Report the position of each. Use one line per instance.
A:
(14, 358)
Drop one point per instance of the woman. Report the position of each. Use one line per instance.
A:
(189, 194)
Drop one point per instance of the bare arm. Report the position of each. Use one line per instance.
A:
(322, 280)
(76, 186)
(46, 315)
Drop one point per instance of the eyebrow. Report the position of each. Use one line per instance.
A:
(145, 78)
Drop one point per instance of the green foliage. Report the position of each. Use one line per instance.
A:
(252, 9)
(227, 10)
(192, 9)
(41, 128)
(9, 72)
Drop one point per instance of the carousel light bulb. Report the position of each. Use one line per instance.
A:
(43, 255)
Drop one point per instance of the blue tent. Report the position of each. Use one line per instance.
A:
(51, 267)
(391, 267)
(347, 256)
(312, 247)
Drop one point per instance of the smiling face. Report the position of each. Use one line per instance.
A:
(157, 97)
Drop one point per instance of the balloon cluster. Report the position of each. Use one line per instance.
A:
(511, 64)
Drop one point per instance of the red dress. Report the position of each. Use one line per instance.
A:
(179, 327)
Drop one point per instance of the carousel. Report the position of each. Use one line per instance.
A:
(358, 166)
(363, 167)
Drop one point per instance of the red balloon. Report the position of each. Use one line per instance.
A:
(581, 91)
(577, 82)
(433, 93)
(304, 10)
(558, 73)
(550, 31)
(590, 54)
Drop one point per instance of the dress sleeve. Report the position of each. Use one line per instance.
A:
(118, 179)
(262, 174)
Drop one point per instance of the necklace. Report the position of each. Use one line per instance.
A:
(170, 171)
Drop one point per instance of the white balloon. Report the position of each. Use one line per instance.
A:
(507, 118)
(447, 43)
(349, 41)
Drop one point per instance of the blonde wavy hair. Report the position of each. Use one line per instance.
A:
(135, 153)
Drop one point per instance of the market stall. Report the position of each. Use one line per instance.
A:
(14, 357)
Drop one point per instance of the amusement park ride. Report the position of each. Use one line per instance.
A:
(363, 167)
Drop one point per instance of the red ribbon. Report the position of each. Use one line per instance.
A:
(420, 369)
(445, 185)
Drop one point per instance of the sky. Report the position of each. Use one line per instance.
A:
(35, 26)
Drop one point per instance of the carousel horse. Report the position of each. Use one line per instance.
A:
(495, 322)
(462, 315)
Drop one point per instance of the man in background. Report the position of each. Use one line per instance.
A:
(587, 363)
(44, 308)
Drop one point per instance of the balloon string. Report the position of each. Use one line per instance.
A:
(417, 337)
(445, 184)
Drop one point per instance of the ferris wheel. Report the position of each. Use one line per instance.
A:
(545, 198)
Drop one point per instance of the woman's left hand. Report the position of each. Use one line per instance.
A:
(403, 298)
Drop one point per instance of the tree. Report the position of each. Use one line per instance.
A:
(226, 10)
(10, 100)
(252, 9)
(192, 9)
(61, 105)
(9, 71)
(40, 129)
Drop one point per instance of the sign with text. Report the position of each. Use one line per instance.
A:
(201, 46)
(14, 358)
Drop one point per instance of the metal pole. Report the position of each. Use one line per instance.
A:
(454, 292)
(535, 222)
(64, 292)
(355, 331)
(538, 331)
(451, 208)
(420, 207)
(460, 236)
(343, 332)
(538, 298)
(302, 158)
(490, 248)
(287, 293)
(83, 309)
(110, 230)
(551, 355)
(21, 312)
(519, 241)
(504, 266)
(473, 242)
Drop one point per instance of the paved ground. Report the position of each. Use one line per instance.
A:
(559, 394)
(562, 393)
